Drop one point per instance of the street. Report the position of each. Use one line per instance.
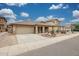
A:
(64, 48)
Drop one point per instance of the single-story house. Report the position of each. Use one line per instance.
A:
(26, 27)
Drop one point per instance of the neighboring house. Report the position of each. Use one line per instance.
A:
(35, 27)
(3, 24)
(62, 28)
(68, 27)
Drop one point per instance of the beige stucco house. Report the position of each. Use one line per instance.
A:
(69, 27)
(26, 27)
(29, 27)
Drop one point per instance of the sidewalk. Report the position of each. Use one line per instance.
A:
(21, 48)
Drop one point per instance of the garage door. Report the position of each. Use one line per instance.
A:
(24, 29)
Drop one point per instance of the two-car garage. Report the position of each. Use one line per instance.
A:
(21, 29)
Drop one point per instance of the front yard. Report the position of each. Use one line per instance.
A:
(20, 43)
(7, 39)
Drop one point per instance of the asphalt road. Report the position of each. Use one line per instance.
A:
(65, 48)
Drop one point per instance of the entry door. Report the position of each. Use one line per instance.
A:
(39, 29)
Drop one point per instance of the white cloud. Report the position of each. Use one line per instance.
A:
(65, 7)
(59, 6)
(61, 19)
(41, 19)
(76, 13)
(74, 20)
(56, 6)
(68, 23)
(8, 14)
(16, 4)
(24, 14)
(50, 17)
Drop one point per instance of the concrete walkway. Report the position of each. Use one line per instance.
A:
(25, 47)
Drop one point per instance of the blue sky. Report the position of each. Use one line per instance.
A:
(36, 11)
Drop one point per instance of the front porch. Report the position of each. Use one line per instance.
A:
(46, 29)
(41, 29)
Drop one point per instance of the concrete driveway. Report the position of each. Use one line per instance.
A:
(29, 38)
(68, 47)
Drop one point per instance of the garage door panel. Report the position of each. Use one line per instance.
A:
(24, 29)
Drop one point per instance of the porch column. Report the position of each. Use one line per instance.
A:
(14, 29)
(36, 29)
(43, 29)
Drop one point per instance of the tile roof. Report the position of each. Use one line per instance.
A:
(24, 23)
(35, 23)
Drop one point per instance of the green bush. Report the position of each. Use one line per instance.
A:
(76, 26)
